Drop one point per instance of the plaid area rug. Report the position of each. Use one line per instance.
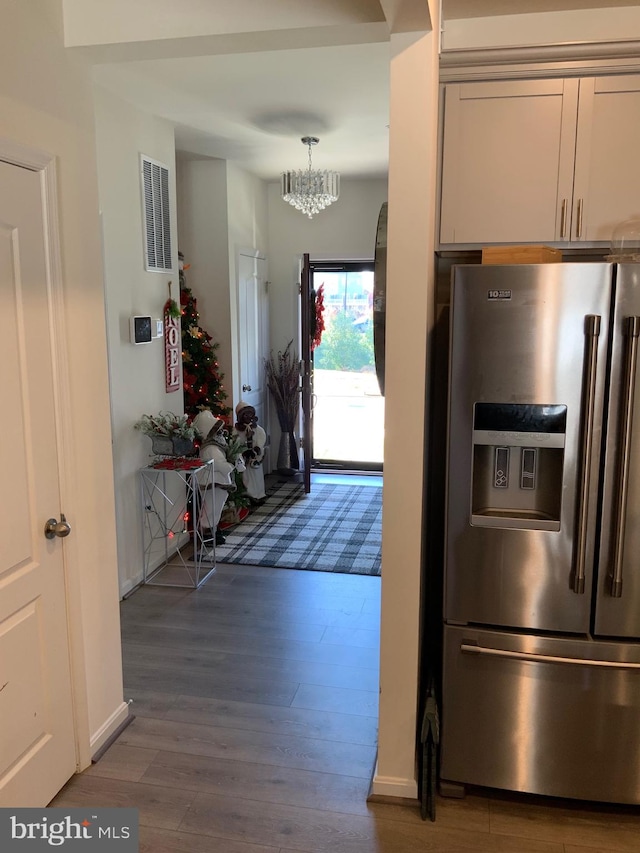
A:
(336, 528)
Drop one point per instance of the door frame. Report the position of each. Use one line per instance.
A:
(258, 255)
(36, 160)
(306, 371)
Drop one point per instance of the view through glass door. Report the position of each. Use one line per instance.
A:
(348, 409)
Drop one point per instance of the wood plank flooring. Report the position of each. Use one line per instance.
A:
(256, 717)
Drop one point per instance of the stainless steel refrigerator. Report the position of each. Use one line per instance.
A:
(541, 669)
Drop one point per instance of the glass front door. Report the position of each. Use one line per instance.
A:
(348, 414)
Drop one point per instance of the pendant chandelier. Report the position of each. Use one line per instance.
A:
(313, 190)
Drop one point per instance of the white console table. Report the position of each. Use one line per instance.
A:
(174, 551)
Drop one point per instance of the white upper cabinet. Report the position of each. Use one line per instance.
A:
(552, 161)
(607, 173)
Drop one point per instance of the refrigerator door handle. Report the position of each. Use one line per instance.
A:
(592, 333)
(631, 331)
(469, 648)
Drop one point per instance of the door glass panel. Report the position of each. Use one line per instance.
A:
(348, 415)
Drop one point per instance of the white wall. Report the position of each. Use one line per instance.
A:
(46, 103)
(221, 209)
(213, 221)
(137, 373)
(410, 320)
(203, 238)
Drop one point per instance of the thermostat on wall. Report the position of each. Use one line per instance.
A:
(140, 330)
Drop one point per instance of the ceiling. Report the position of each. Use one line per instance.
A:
(253, 108)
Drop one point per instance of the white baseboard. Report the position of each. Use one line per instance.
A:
(393, 786)
(110, 726)
(130, 584)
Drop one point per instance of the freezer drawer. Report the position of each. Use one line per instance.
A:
(531, 714)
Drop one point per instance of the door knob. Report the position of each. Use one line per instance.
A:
(57, 528)
(246, 387)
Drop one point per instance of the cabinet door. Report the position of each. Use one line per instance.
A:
(507, 168)
(607, 176)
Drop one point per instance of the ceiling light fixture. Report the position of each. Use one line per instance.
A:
(313, 190)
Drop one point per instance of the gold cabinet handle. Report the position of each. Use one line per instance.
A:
(563, 219)
(579, 218)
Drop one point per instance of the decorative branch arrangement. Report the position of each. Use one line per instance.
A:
(283, 375)
(166, 424)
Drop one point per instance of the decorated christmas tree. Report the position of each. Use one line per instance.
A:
(201, 376)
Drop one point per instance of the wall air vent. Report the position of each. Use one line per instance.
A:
(157, 218)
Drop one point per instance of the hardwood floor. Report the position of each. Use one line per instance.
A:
(255, 700)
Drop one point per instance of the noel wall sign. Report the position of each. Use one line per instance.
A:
(172, 346)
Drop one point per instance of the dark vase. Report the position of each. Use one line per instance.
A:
(166, 445)
(288, 460)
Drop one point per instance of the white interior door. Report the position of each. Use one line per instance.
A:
(253, 334)
(37, 742)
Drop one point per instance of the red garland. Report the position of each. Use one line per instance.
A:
(319, 318)
(177, 463)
